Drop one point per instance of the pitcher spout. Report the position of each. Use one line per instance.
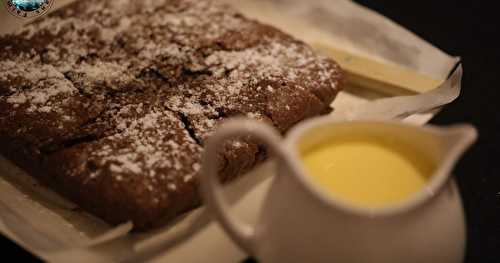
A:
(453, 142)
(457, 139)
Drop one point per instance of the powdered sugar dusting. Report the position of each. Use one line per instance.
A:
(155, 142)
(150, 81)
(45, 81)
(104, 72)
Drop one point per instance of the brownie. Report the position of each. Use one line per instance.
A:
(110, 102)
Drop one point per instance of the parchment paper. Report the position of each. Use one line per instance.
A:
(53, 228)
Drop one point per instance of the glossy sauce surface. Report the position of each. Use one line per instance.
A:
(368, 171)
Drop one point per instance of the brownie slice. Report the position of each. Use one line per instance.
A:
(110, 102)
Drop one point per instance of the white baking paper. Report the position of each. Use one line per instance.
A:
(54, 229)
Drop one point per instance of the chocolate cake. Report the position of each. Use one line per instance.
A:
(110, 102)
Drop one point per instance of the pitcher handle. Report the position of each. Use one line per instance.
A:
(211, 189)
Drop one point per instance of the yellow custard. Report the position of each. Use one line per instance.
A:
(368, 171)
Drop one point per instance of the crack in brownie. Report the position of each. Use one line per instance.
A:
(110, 102)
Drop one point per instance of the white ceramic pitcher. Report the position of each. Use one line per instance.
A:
(300, 222)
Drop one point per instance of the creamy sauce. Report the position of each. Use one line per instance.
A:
(368, 171)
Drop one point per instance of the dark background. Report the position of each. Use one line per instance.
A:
(468, 29)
